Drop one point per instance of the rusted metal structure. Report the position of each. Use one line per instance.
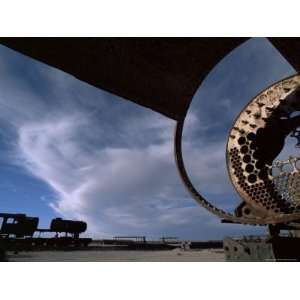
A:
(68, 226)
(17, 233)
(268, 188)
(159, 73)
(255, 140)
(18, 225)
(163, 74)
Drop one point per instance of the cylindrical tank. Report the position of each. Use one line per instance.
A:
(29, 225)
(69, 226)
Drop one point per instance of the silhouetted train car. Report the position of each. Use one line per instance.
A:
(17, 230)
(18, 224)
(68, 226)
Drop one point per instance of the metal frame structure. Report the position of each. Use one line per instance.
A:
(156, 66)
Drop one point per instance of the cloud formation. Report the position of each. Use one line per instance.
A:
(110, 162)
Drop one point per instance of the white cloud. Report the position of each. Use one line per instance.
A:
(112, 164)
(127, 188)
(108, 187)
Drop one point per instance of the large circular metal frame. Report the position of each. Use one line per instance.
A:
(267, 116)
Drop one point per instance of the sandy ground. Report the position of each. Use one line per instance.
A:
(176, 255)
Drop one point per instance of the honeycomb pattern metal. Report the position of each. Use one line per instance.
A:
(255, 140)
(287, 181)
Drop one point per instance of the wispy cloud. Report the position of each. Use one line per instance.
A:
(111, 162)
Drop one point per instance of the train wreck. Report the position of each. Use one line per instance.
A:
(268, 187)
(20, 232)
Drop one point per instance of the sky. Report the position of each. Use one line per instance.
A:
(68, 149)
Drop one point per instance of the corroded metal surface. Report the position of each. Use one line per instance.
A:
(287, 180)
(255, 140)
(248, 249)
(159, 73)
(259, 249)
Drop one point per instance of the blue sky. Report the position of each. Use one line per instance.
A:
(71, 150)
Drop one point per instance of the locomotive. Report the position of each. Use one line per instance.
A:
(20, 232)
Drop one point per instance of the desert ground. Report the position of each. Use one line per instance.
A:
(176, 255)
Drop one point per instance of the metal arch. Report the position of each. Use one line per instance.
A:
(186, 180)
(281, 218)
